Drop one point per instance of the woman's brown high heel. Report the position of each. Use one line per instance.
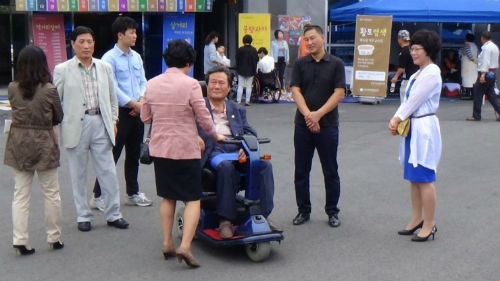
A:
(168, 252)
(187, 257)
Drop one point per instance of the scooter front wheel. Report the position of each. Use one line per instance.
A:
(258, 252)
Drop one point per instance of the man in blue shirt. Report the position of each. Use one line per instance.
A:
(130, 84)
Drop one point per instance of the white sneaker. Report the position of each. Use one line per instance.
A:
(138, 199)
(97, 203)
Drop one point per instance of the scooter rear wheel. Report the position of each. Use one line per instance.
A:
(179, 221)
(258, 252)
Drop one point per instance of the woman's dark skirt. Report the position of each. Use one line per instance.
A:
(178, 179)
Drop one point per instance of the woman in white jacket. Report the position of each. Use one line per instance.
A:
(420, 151)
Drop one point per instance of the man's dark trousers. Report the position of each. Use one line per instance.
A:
(488, 89)
(130, 134)
(326, 142)
(227, 183)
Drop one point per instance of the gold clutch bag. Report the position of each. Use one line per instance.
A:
(404, 128)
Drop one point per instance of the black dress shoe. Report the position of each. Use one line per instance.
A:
(301, 218)
(84, 226)
(56, 245)
(119, 223)
(333, 220)
(22, 250)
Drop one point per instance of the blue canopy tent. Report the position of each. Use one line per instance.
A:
(457, 11)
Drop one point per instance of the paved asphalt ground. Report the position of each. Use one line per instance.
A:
(375, 203)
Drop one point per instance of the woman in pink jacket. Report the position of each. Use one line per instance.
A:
(173, 103)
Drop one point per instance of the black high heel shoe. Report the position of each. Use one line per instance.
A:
(417, 238)
(56, 245)
(410, 231)
(22, 250)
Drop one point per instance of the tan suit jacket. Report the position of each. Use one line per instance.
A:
(69, 82)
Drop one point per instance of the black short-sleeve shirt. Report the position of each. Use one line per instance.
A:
(406, 62)
(317, 82)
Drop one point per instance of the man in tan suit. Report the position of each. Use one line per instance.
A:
(85, 85)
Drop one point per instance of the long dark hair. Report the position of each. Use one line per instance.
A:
(32, 70)
(210, 37)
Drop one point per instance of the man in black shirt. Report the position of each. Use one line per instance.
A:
(246, 65)
(406, 67)
(318, 85)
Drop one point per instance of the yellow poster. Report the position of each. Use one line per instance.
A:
(371, 55)
(258, 26)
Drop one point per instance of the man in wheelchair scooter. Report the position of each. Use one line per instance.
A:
(230, 120)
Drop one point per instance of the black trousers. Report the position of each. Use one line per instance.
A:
(130, 134)
(326, 143)
(280, 67)
(488, 89)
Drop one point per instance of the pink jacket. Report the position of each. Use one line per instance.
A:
(174, 102)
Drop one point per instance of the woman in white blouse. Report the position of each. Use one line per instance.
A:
(420, 151)
(281, 54)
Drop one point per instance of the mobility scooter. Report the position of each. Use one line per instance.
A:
(252, 230)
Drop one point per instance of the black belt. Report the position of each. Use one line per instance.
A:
(96, 111)
(425, 115)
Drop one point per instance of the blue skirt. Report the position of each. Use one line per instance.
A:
(419, 174)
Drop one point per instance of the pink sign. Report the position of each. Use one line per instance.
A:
(48, 34)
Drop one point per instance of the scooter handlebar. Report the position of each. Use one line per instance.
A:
(239, 140)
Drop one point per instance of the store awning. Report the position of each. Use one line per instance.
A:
(459, 11)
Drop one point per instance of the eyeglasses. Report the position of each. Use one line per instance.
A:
(415, 48)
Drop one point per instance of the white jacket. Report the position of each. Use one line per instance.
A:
(425, 143)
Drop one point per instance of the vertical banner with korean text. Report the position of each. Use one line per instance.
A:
(177, 26)
(256, 25)
(48, 34)
(371, 55)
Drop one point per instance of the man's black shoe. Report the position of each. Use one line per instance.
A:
(333, 220)
(119, 223)
(84, 226)
(301, 218)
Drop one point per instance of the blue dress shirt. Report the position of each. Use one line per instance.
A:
(130, 79)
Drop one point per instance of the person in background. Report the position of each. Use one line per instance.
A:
(246, 67)
(221, 56)
(469, 64)
(87, 91)
(210, 52)
(173, 105)
(485, 83)
(318, 85)
(406, 67)
(281, 54)
(130, 80)
(266, 62)
(302, 50)
(32, 146)
(449, 68)
(420, 151)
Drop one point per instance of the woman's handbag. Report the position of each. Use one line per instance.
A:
(404, 128)
(144, 157)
